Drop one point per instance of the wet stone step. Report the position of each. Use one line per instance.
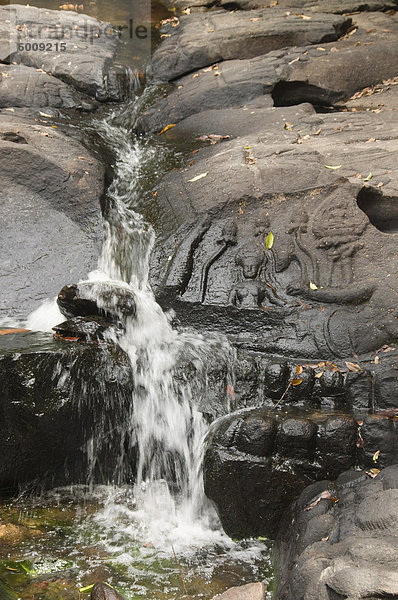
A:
(258, 461)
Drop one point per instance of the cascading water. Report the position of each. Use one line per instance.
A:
(164, 423)
(128, 534)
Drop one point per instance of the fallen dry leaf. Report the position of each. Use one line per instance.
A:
(167, 128)
(198, 177)
(295, 381)
(376, 455)
(353, 367)
(372, 473)
(8, 331)
(326, 495)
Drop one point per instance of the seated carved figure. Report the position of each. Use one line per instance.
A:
(251, 292)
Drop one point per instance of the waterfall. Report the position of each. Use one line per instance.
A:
(164, 422)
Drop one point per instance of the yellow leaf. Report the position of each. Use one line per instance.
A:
(299, 369)
(313, 286)
(288, 126)
(198, 177)
(372, 473)
(369, 177)
(333, 167)
(354, 367)
(167, 128)
(376, 456)
(296, 381)
(319, 375)
(42, 114)
(269, 241)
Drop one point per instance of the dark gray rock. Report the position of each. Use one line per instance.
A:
(86, 60)
(83, 328)
(251, 450)
(309, 6)
(50, 211)
(203, 39)
(22, 86)
(345, 549)
(323, 75)
(97, 298)
(52, 407)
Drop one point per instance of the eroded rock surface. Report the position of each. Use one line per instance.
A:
(78, 49)
(343, 541)
(22, 86)
(258, 461)
(203, 39)
(50, 211)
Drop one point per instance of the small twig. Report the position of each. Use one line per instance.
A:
(182, 576)
(283, 395)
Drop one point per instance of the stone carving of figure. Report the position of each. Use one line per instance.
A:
(251, 292)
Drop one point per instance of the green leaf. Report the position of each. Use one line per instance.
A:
(87, 589)
(333, 167)
(269, 241)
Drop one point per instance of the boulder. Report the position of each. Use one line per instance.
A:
(347, 548)
(258, 461)
(83, 329)
(75, 48)
(97, 298)
(22, 86)
(323, 75)
(51, 213)
(202, 39)
(309, 6)
(55, 426)
(250, 591)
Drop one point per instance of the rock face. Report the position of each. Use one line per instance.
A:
(50, 211)
(76, 49)
(203, 39)
(58, 400)
(344, 549)
(323, 75)
(258, 461)
(22, 86)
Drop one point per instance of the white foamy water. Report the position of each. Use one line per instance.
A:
(168, 430)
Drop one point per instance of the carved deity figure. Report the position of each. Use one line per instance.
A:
(251, 292)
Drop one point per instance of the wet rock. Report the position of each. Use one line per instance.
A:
(249, 450)
(57, 401)
(96, 298)
(203, 39)
(83, 328)
(22, 86)
(296, 438)
(347, 547)
(11, 534)
(264, 461)
(103, 591)
(78, 49)
(51, 213)
(250, 591)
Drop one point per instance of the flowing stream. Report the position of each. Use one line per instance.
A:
(146, 538)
